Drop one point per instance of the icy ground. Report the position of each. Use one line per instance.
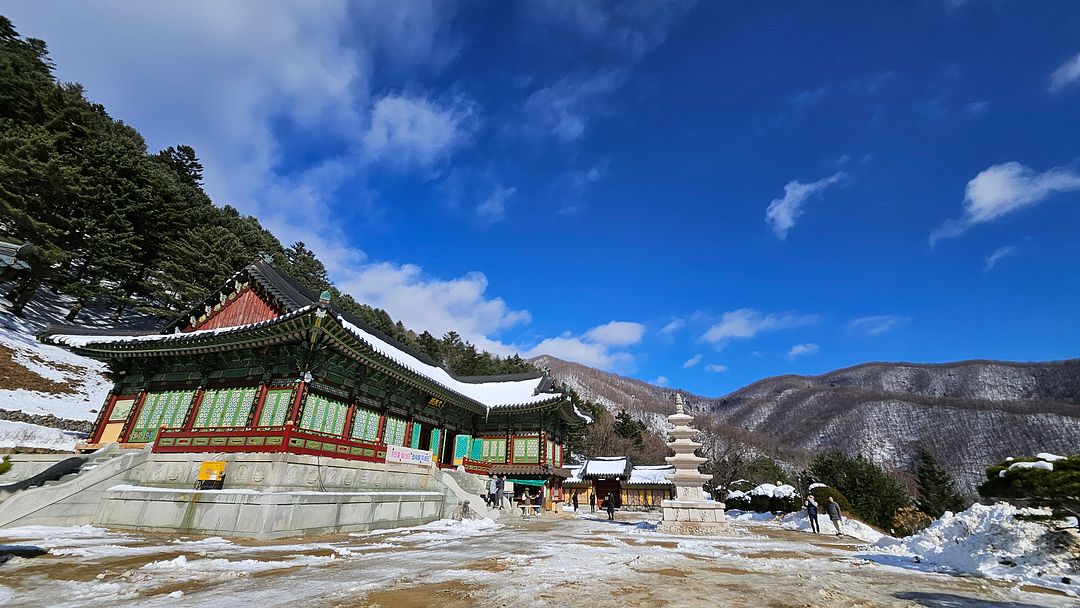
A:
(558, 560)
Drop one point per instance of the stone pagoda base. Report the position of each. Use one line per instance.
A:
(696, 517)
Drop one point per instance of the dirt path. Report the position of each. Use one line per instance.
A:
(555, 561)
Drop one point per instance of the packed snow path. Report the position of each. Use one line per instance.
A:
(558, 560)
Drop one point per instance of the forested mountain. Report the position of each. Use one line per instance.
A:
(107, 219)
(968, 414)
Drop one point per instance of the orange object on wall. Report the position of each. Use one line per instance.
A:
(246, 308)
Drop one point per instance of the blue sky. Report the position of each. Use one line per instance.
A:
(699, 194)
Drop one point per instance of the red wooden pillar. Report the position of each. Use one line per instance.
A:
(132, 417)
(103, 418)
(193, 408)
(350, 416)
(382, 428)
(260, 400)
(296, 403)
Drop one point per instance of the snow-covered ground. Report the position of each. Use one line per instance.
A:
(77, 384)
(987, 541)
(556, 560)
(24, 435)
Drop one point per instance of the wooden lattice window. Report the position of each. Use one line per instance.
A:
(168, 409)
(414, 438)
(324, 415)
(225, 407)
(365, 425)
(526, 449)
(276, 406)
(395, 431)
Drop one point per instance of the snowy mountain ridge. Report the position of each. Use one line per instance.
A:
(969, 414)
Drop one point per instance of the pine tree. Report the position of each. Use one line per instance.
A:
(303, 266)
(427, 344)
(628, 428)
(937, 489)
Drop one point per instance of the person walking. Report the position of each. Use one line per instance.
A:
(811, 513)
(574, 501)
(833, 509)
(500, 491)
(492, 489)
(609, 502)
(592, 502)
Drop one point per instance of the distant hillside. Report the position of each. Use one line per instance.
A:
(969, 414)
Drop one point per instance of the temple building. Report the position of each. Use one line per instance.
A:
(632, 486)
(264, 365)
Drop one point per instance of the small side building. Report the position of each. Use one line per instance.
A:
(634, 487)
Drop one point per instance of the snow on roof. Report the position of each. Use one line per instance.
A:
(575, 473)
(80, 340)
(651, 475)
(605, 466)
(491, 394)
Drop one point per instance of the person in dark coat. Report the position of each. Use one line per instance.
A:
(833, 509)
(609, 504)
(574, 501)
(811, 513)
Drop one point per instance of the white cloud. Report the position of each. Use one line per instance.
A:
(629, 30)
(493, 209)
(783, 212)
(716, 368)
(673, 326)
(564, 109)
(875, 325)
(1003, 189)
(800, 350)
(433, 304)
(692, 361)
(745, 323)
(660, 381)
(1067, 74)
(617, 333)
(997, 256)
(417, 132)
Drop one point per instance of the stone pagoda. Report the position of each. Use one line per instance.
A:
(689, 512)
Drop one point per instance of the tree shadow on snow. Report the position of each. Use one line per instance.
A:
(950, 600)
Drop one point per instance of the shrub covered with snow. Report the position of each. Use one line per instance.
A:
(1047, 480)
(991, 541)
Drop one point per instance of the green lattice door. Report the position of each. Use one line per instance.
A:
(225, 407)
(324, 415)
(365, 425)
(166, 409)
(276, 406)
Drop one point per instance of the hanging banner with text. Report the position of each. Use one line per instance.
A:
(397, 453)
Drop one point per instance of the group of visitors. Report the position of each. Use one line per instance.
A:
(606, 504)
(832, 509)
(496, 489)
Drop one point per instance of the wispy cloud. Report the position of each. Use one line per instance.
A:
(999, 254)
(673, 326)
(493, 208)
(801, 350)
(1066, 75)
(804, 99)
(660, 381)
(875, 325)
(783, 212)
(565, 109)
(745, 323)
(408, 131)
(692, 361)
(1003, 189)
(716, 368)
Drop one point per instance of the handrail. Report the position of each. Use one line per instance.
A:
(287, 438)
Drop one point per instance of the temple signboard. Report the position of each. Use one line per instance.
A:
(396, 453)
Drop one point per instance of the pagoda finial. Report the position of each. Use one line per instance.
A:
(678, 403)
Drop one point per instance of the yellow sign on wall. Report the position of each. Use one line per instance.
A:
(212, 470)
